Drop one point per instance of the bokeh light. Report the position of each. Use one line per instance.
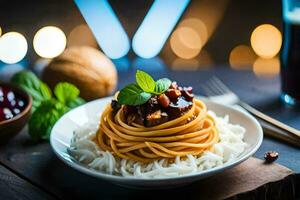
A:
(0, 31)
(13, 47)
(184, 64)
(266, 68)
(198, 25)
(209, 12)
(202, 18)
(266, 40)
(49, 42)
(81, 35)
(242, 57)
(203, 61)
(185, 42)
(156, 27)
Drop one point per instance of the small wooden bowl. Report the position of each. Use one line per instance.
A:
(11, 127)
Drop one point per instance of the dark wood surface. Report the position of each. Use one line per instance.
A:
(14, 187)
(36, 170)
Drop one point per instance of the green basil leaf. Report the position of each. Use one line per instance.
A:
(46, 110)
(45, 90)
(38, 90)
(162, 85)
(75, 103)
(145, 81)
(133, 95)
(44, 118)
(66, 92)
(26, 78)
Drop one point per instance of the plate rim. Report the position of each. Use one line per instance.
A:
(98, 174)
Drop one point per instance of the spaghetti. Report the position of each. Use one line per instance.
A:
(192, 133)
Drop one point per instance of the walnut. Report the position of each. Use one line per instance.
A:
(87, 68)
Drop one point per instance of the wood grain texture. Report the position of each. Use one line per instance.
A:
(248, 176)
(13, 187)
(282, 189)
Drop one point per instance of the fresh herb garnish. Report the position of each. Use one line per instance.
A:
(133, 95)
(47, 109)
(44, 118)
(68, 94)
(162, 85)
(140, 92)
(38, 90)
(145, 81)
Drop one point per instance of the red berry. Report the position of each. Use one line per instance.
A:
(20, 104)
(16, 111)
(2, 115)
(7, 98)
(5, 114)
(10, 96)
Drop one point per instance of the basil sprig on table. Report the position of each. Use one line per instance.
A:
(140, 92)
(38, 90)
(47, 108)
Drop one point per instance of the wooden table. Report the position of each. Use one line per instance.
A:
(30, 170)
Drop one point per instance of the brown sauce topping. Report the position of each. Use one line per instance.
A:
(175, 102)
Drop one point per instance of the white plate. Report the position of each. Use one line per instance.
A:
(62, 133)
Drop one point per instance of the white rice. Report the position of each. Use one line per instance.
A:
(87, 152)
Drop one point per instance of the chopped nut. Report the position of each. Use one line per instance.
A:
(271, 156)
(163, 100)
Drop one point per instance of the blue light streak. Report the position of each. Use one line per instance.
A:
(105, 26)
(157, 26)
(150, 65)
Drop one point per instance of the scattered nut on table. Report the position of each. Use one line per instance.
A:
(271, 156)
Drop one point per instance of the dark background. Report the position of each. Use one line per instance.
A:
(237, 20)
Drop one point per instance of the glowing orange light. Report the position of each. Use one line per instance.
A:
(266, 40)
(81, 36)
(242, 57)
(0, 31)
(189, 38)
(184, 64)
(203, 61)
(185, 42)
(266, 68)
(198, 25)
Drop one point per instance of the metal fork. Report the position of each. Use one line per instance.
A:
(217, 91)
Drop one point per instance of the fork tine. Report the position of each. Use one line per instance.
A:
(212, 88)
(209, 89)
(222, 85)
(215, 85)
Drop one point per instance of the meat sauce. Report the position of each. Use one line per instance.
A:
(175, 102)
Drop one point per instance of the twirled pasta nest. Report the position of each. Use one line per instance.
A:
(192, 133)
